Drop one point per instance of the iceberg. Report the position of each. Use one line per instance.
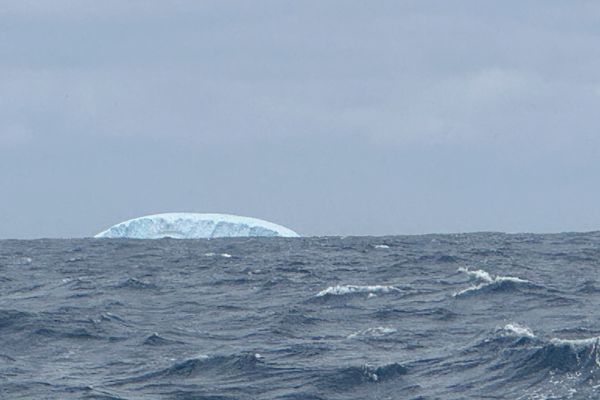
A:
(194, 226)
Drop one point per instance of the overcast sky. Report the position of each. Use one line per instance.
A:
(329, 117)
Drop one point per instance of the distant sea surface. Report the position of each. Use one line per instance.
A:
(474, 316)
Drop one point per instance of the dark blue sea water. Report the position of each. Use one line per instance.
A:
(476, 316)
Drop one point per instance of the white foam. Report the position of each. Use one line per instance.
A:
(515, 329)
(373, 332)
(487, 279)
(340, 290)
(478, 274)
(576, 342)
(225, 255)
(381, 246)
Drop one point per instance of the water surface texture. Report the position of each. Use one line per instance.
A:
(476, 316)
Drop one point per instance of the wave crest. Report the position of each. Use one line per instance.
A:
(528, 354)
(340, 290)
(203, 365)
(489, 282)
(517, 330)
(347, 378)
(568, 355)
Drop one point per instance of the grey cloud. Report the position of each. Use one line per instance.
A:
(331, 117)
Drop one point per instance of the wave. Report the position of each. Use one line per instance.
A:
(349, 377)
(301, 396)
(252, 367)
(75, 333)
(79, 283)
(381, 246)
(436, 313)
(22, 261)
(372, 332)
(224, 255)
(340, 290)
(55, 326)
(294, 323)
(14, 318)
(7, 358)
(567, 355)
(204, 365)
(589, 287)
(296, 318)
(524, 354)
(518, 330)
(133, 283)
(156, 340)
(521, 364)
(489, 282)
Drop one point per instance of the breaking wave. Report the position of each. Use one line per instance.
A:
(340, 290)
(518, 330)
(488, 282)
(520, 354)
(566, 355)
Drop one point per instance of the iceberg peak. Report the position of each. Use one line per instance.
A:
(194, 226)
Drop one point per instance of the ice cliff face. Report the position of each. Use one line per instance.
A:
(194, 226)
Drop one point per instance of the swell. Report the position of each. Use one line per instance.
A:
(563, 355)
(515, 353)
(222, 366)
(236, 371)
(348, 378)
(57, 325)
(331, 319)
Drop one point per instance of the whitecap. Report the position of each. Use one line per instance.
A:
(593, 341)
(381, 246)
(478, 274)
(514, 329)
(225, 255)
(487, 280)
(340, 290)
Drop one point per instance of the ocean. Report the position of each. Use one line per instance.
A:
(466, 316)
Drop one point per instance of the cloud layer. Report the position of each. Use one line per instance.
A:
(332, 118)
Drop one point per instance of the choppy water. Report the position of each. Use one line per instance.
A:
(419, 317)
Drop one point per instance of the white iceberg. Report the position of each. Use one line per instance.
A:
(194, 226)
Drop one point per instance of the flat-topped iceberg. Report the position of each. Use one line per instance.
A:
(194, 226)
